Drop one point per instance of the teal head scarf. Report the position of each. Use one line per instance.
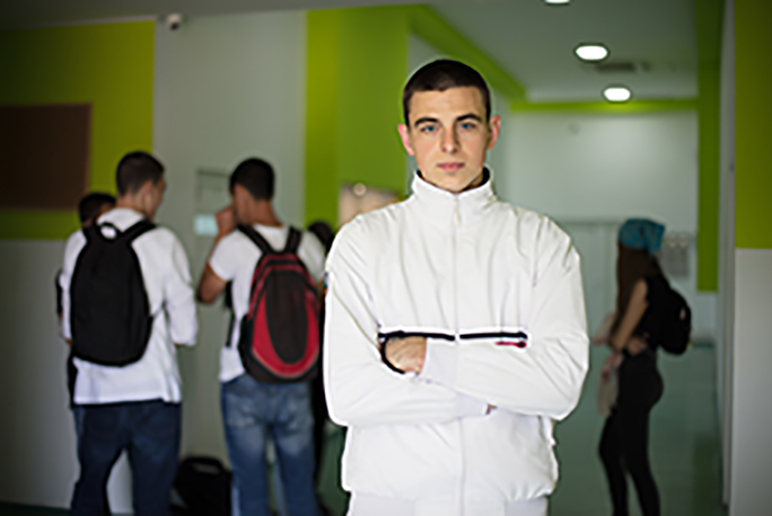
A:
(642, 234)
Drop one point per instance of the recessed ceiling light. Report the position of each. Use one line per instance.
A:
(557, 2)
(617, 94)
(591, 52)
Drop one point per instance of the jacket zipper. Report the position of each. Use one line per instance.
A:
(455, 230)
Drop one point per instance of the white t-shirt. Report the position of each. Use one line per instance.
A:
(167, 280)
(234, 259)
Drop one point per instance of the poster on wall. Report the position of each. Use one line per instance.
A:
(44, 156)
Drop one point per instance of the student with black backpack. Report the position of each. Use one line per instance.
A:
(649, 315)
(90, 208)
(272, 349)
(127, 303)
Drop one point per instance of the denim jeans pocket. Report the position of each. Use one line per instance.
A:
(159, 420)
(101, 422)
(295, 407)
(237, 406)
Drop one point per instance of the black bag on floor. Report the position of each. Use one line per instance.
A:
(204, 486)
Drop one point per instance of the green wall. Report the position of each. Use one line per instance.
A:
(708, 18)
(753, 163)
(357, 67)
(109, 66)
(357, 60)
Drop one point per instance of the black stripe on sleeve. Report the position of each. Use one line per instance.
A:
(384, 337)
(495, 335)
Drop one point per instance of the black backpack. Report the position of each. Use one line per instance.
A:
(674, 320)
(279, 340)
(110, 312)
(204, 486)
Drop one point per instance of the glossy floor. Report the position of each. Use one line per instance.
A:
(684, 448)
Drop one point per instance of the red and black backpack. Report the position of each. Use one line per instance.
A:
(279, 340)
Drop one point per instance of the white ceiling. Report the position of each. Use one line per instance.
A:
(532, 41)
(535, 42)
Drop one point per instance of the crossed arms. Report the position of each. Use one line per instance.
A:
(450, 380)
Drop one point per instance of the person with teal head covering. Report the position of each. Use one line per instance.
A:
(623, 447)
(642, 234)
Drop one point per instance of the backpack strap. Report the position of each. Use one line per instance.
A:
(132, 233)
(137, 230)
(91, 233)
(293, 241)
(256, 238)
(228, 302)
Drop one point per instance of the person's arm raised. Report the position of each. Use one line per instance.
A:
(210, 286)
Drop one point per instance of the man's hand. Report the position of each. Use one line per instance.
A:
(406, 354)
(635, 345)
(226, 221)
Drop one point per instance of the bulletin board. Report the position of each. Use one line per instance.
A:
(44, 156)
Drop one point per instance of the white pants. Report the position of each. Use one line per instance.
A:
(368, 505)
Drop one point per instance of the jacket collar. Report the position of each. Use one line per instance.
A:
(444, 207)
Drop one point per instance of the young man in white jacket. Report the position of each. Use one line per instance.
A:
(455, 327)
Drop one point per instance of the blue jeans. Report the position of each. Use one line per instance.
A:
(78, 415)
(253, 411)
(150, 432)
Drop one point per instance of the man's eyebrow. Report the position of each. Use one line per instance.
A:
(469, 116)
(425, 120)
(431, 120)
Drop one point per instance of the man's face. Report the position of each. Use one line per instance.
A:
(449, 136)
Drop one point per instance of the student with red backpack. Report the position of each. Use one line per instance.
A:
(274, 271)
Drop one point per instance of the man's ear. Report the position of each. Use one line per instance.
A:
(404, 134)
(238, 193)
(494, 126)
(146, 188)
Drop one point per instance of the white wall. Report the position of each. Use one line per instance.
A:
(226, 88)
(593, 171)
(746, 283)
(37, 434)
(601, 167)
(751, 454)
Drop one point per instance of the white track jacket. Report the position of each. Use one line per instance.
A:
(497, 291)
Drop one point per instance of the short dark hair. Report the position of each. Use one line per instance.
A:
(90, 206)
(135, 169)
(441, 75)
(256, 175)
